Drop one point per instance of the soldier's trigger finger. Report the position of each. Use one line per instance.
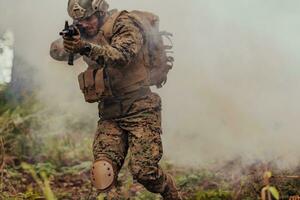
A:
(73, 40)
(69, 43)
(68, 47)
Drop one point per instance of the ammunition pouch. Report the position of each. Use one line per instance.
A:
(91, 83)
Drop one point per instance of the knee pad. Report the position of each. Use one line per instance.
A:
(103, 174)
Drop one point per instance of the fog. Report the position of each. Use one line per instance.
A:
(234, 89)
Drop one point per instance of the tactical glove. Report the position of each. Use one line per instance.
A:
(75, 44)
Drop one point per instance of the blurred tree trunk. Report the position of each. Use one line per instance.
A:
(21, 85)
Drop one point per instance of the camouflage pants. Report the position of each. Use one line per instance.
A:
(139, 131)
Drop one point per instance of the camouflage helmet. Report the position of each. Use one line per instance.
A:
(82, 9)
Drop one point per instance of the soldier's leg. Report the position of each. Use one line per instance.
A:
(109, 148)
(145, 144)
(146, 152)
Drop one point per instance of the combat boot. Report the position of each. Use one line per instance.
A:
(171, 192)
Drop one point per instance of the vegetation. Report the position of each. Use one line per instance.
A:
(57, 166)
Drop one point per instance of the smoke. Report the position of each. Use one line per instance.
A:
(233, 91)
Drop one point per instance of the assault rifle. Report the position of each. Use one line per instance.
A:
(69, 31)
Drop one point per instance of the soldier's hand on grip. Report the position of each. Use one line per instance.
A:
(73, 44)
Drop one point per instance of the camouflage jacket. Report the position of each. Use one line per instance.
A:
(124, 45)
(123, 54)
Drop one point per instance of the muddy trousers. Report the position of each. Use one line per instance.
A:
(141, 133)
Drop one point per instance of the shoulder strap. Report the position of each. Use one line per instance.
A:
(108, 26)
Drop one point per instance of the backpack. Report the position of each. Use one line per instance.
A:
(158, 61)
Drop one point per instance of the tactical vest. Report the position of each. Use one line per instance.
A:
(118, 80)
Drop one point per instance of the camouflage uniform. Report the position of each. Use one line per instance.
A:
(136, 126)
(126, 42)
(139, 127)
(139, 131)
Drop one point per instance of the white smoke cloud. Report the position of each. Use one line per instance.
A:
(234, 87)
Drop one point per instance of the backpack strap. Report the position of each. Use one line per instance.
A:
(108, 26)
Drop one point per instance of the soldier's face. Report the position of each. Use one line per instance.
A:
(90, 26)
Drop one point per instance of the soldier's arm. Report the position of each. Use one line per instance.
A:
(57, 51)
(125, 44)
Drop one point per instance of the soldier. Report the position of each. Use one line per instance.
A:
(113, 45)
